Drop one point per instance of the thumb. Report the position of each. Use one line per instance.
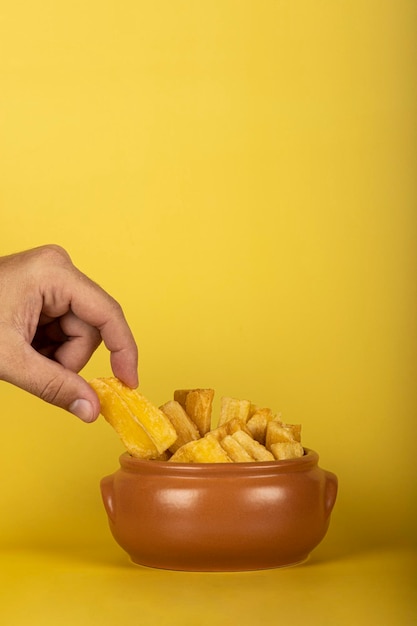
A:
(55, 384)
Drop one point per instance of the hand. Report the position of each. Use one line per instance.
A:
(52, 319)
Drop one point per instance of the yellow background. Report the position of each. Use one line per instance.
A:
(241, 176)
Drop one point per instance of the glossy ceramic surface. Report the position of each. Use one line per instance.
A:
(219, 517)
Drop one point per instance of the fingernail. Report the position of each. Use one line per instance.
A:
(82, 409)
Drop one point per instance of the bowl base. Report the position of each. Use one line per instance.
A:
(219, 569)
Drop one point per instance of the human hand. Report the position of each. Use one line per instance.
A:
(52, 319)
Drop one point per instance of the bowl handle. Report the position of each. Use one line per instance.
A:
(330, 492)
(107, 493)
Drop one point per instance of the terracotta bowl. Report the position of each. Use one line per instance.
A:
(219, 516)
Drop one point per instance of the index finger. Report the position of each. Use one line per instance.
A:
(92, 304)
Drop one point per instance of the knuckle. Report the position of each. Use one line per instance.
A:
(113, 307)
(52, 391)
(48, 262)
(116, 306)
(53, 253)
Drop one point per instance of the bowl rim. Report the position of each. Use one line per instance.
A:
(136, 465)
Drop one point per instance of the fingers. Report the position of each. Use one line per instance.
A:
(48, 337)
(54, 310)
(91, 304)
(81, 341)
(65, 288)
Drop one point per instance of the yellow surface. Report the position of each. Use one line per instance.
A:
(241, 177)
(98, 588)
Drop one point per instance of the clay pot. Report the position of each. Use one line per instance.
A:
(220, 516)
